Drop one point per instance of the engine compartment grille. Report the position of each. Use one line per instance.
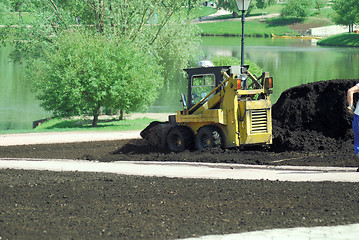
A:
(259, 121)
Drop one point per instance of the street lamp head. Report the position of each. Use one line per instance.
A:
(243, 4)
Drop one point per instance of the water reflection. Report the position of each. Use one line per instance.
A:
(290, 61)
(18, 107)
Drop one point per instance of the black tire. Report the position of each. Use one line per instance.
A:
(179, 139)
(208, 137)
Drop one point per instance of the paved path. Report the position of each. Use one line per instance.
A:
(190, 170)
(64, 137)
(347, 232)
(221, 12)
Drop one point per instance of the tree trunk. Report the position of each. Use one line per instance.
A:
(121, 115)
(351, 27)
(94, 121)
(100, 17)
(96, 113)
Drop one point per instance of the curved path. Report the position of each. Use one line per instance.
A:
(190, 170)
(221, 12)
(64, 137)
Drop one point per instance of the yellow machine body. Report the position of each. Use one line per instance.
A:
(243, 116)
(227, 107)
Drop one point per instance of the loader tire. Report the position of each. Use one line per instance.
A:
(208, 137)
(179, 139)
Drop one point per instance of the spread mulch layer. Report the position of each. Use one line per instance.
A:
(64, 205)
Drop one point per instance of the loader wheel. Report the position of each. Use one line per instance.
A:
(208, 137)
(179, 139)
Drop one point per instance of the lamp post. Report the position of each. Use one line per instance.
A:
(242, 6)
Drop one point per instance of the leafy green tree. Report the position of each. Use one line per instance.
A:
(346, 13)
(83, 73)
(320, 4)
(147, 23)
(265, 3)
(231, 5)
(232, 61)
(191, 4)
(297, 8)
(154, 29)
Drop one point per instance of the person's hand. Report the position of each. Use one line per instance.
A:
(351, 109)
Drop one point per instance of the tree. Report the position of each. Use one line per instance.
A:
(231, 5)
(261, 4)
(232, 61)
(346, 13)
(190, 5)
(154, 29)
(297, 8)
(82, 74)
(320, 4)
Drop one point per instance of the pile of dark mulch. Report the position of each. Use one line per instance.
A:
(313, 117)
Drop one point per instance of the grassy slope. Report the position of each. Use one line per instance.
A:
(262, 28)
(198, 12)
(233, 28)
(256, 12)
(343, 40)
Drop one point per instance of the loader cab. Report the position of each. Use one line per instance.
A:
(201, 85)
(201, 81)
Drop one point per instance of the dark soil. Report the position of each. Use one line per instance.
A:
(302, 28)
(310, 126)
(49, 205)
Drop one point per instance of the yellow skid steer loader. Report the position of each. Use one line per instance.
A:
(225, 107)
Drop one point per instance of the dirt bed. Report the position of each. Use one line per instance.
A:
(311, 128)
(49, 205)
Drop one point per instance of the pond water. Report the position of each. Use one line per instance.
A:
(291, 62)
(18, 106)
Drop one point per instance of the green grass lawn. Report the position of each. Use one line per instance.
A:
(256, 12)
(276, 8)
(75, 124)
(325, 13)
(262, 28)
(234, 28)
(103, 125)
(17, 18)
(198, 12)
(343, 40)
